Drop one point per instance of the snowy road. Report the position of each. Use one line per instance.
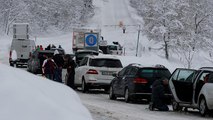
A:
(102, 108)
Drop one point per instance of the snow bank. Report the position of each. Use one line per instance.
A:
(25, 96)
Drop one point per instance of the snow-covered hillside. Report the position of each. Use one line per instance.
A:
(108, 14)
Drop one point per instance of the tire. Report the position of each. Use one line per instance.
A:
(203, 109)
(106, 90)
(111, 94)
(126, 95)
(84, 86)
(176, 106)
(11, 64)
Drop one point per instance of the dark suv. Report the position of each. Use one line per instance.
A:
(134, 82)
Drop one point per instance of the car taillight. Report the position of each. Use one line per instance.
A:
(140, 80)
(92, 71)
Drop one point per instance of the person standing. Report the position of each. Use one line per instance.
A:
(48, 67)
(158, 98)
(70, 71)
(59, 62)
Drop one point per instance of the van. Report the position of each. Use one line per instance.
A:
(23, 49)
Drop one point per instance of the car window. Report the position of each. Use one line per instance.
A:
(112, 47)
(204, 77)
(185, 75)
(83, 61)
(122, 72)
(111, 63)
(133, 71)
(146, 73)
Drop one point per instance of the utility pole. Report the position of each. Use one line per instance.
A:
(138, 40)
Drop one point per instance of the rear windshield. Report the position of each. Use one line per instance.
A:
(112, 63)
(83, 54)
(154, 73)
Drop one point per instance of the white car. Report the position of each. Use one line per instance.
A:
(192, 89)
(96, 71)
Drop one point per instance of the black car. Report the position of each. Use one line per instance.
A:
(35, 62)
(134, 82)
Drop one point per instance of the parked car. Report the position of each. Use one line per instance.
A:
(80, 54)
(192, 89)
(134, 82)
(96, 71)
(35, 62)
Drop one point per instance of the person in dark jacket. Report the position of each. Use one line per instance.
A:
(158, 98)
(59, 62)
(70, 65)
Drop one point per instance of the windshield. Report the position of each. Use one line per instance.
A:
(112, 47)
(112, 63)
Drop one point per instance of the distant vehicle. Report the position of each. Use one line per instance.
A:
(115, 49)
(21, 44)
(192, 89)
(80, 54)
(96, 71)
(36, 60)
(23, 50)
(134, 82)
(78, 40)
(21, 31)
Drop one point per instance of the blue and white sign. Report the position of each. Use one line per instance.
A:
(91, 40)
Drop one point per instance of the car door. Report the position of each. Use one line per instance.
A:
(181, 84)
(131, 74)
(124, 79)
(117, 81)
(79, 71)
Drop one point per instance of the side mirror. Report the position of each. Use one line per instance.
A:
(115, 75)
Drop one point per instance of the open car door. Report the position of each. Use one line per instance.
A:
(181, 84)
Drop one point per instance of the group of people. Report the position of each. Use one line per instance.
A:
(53, 65)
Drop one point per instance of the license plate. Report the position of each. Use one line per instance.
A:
(107, 73)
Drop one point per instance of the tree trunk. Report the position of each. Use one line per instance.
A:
(166, 47)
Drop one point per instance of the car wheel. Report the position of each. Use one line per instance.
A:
(111, 94)
(126, 95)
(11, 64)
(176, 106)
(84, 86)
(203, 109)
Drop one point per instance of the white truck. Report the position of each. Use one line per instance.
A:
(78, 42)
(21, 44)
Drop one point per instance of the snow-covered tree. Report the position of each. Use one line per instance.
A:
(43, 15)
(174, 23)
